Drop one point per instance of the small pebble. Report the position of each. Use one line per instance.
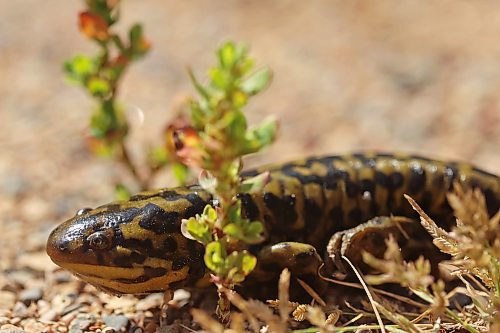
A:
(50, 315)
(118, 323)
(62, 276)
(21, 277)
(150, 302)
(81, 323)
(122, 303)
(15, 320)
(20, 310)
(32, 326)
(31, 295)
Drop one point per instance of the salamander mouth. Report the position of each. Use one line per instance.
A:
(126, 280)
(84, 276)
(107, 290)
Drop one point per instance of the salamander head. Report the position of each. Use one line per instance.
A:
(130, 247)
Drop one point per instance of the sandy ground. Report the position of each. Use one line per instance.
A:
(348, 75)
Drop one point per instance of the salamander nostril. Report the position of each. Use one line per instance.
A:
(62, 245)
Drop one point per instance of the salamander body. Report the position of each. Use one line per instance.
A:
(136, 246)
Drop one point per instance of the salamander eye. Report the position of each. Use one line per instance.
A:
(83, 211)
(99, 241)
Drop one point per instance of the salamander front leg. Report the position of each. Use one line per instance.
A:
(369, 236)
(301, 259)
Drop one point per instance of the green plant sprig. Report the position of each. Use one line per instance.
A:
(100, 75)
(216, 143)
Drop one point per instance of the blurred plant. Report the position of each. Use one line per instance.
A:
(216, 142)
(100, 76)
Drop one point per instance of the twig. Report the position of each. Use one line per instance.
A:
(370, 297)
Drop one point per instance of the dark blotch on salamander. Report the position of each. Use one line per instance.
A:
(158, 220)
(249, 207)
(417, 179)
(170, 244)
(179, 262)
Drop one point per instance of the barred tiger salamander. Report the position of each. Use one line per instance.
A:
(136, 246)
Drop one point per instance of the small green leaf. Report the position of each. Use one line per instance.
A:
(198, 230)
(181, 172)
(135, 35)
(241, 51)
(240, 265)
(80, 68)
(218, 78)
(233, 230)
(256, 82)
(138, 45)
(102, 8)
(266, 132)
(122, 192)
(239, 99)
(235, 212)
(100, 124)
(255, 184)
(215, 255)
(112, 73)
(235, 125)
(259, 137)
(98, 86)
(248, 263)
(197, 114)
(227, 56)
(254, 232)
(245, 66)
(201, 90)
(108, 119)
(210, 213)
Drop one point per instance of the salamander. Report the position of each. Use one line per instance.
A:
(136, 246)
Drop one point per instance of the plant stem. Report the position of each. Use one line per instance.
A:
(125, 159)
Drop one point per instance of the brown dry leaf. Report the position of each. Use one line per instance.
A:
(299, 313)
(395, 270)
(238, 322)
(284, 297)
(441, 238)
(469, 207)
(242, 305)
(275, 304)
(333, 317)
(264, 313)
(316, 316)
(440, 299)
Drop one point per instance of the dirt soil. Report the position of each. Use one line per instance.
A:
(348, 75)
